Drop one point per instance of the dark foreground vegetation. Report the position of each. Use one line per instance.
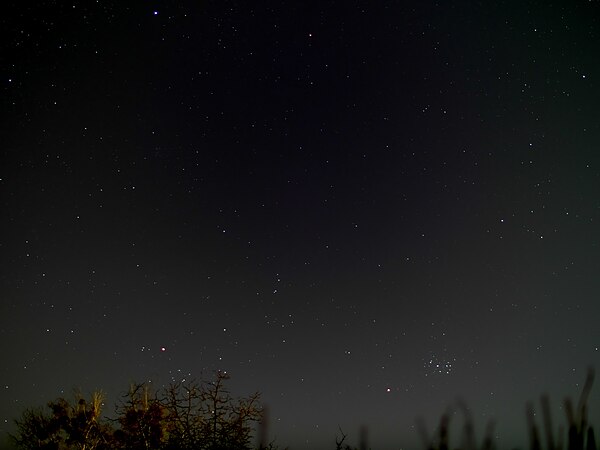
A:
(204, 416)
(580, 435)
(200, 415)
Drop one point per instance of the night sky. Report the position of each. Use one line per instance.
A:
(362, 209)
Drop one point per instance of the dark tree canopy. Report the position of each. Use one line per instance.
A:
(195, 415)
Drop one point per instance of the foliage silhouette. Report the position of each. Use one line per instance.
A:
(205, 416)
(141, 420)
(580, 435)
(68, 425)
(202, 415)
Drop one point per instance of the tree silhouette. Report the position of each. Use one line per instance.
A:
(68, 426)
(141, 420)
(202, 416)
(206, 416)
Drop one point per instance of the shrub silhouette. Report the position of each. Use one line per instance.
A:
(201, 416)
(141, 420)
(580, 435)
(67, 426)
(205, 416)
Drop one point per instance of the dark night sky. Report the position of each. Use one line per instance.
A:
(361, 209)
